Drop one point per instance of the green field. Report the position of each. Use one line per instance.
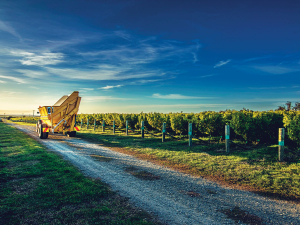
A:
(39, 187)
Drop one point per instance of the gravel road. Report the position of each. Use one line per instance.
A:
(174, 197)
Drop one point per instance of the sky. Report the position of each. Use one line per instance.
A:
(151, 56)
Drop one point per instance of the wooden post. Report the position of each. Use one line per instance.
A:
(190, 134)
(114, 127)
(142, 129)
(126, 127)
(81, 124)
(164, 132)
(103, 125)
(94, 124)
(281, 134)
(227, 137)
(87, 124)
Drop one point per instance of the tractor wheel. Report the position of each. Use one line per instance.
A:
(42, 135)
(71, 134)
(40, 131)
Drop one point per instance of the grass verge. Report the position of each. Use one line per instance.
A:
(255, 169)
(39, 187)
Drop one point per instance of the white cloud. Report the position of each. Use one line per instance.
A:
(177, 106)
(87, 89)
(33, 87)
(222, 63)
(11, 95)
(139, 82)
(208, 75)
(258, 58)
(103, 98)
(112, 73)
(39, 59)
(33, 73)
(110, 87)
(266, 88)
(195, 58)
(283, 100)
(123, 34)
(145, 52)
(176, 96)
(2, 82)
(13, 79)
(7, 28)
(276, 69)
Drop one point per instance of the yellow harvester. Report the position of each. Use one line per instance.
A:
(59, 118)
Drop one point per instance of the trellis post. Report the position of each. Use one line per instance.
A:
(190, 134)
(126, 127)
(164, 132)
(114, 127)
(281, 134)
(142, 129)
(103, 125)
(227, 137)
(87, 124)
(94, 124)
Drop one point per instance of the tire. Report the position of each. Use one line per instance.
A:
(42, 135)
(40, 131)
(71, 134)
(37, 125)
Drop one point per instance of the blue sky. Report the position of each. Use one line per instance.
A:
(162, 56)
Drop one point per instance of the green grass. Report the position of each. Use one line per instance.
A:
(256, 168)
(39, 187)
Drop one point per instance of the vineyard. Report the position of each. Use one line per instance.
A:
(246, 125)
(252, 160)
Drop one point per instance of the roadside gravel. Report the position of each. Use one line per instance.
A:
(174, 197)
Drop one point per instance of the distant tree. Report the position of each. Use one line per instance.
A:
(297, 106)
(280, 108)
(288, 106)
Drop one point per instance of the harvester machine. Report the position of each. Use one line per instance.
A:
(59, 118)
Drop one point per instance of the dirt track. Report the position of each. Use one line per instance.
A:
(174, 197)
